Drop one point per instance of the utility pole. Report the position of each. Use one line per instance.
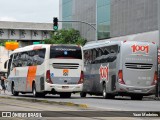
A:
(158, 83)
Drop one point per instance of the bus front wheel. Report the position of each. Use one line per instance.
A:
(14, 93)
(35, 94)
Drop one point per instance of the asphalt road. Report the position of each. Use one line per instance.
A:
(21, 110)
(93, 103)
(97, 102)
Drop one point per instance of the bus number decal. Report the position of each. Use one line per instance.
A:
(103, 71)
(137, 48)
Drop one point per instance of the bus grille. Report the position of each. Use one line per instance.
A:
(65, 65)
(138, 65)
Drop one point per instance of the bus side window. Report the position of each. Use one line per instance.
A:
(19, 59)
(113, 51)
(93, 55)
(9, 65)
(30, 58)
(88, 56)
(41, 56)
(24, 58)
(35, 57)
(15, 61)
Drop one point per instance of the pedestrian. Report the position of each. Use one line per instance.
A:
(3, 79)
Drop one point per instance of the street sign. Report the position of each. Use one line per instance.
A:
(11, 45)
(40, 42)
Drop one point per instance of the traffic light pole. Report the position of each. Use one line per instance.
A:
(80, 22)
(84, 23)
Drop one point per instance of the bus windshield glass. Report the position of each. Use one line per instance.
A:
(66, 52)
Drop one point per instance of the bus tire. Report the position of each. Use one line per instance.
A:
(14, 93)
(83, 94)
(104, 91)
(107, 95)
(65, 95)
(136, 97)
(41, 95)
(35, 94)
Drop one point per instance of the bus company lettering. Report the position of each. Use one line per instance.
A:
(141, 48)
(103, 71)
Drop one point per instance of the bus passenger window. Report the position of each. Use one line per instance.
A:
(24, 58)
(30, 58)
(41, 56)
(15, 61)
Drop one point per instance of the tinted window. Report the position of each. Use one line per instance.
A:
(65, 52)
(101, 55)
(29, 58)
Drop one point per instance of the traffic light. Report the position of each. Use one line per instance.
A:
(55, 23)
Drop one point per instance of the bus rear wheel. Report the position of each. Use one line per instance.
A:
(65, 95)
(104, 91)
(41, 95)
(83, 94)
(14, 93)
(35, 94)
(107, 95)
(136, 97)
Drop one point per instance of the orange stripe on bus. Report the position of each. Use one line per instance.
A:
(37, 47)
(31, 75)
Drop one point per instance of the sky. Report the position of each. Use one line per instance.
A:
(41, 11)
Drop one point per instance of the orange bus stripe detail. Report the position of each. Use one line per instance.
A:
(31, 75)
(37, 47)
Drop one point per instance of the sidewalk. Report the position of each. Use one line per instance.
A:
(6, 93)
(152, 97)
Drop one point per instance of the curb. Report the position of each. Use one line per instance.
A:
(152, 97)
(50, 102)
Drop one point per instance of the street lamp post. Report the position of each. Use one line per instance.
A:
(95, 28)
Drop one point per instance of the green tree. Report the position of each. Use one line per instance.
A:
(63, 36)
(2, 42)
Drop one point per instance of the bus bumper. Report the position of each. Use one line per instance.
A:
(64, 88)
(124, 89)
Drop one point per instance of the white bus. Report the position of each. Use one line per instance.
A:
(4, 56)
(44, 68)
(120, 68)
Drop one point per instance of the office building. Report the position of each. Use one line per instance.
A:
(114, 18)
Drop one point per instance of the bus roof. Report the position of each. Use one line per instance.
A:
(102, 43)
(39, 46)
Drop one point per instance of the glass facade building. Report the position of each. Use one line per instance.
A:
(114, 17)
(103, 18)
(133, 16)
(67, 13)
(79, 10)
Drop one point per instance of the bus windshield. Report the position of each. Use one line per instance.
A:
(66, 52)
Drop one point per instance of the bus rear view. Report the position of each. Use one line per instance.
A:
(65, 71)
(138, 69)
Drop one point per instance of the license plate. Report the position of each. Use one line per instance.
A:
(137, 90)
(65, 87)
